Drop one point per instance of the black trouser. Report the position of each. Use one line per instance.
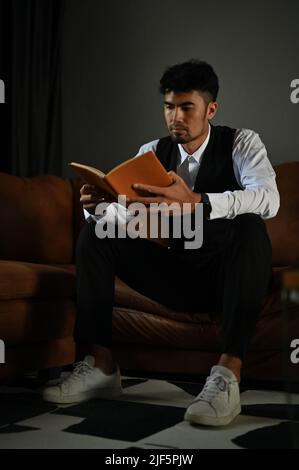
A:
(230, 273)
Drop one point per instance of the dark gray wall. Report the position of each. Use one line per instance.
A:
(115, 52)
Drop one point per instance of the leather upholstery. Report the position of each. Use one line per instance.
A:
(284, 228)
(37, 216)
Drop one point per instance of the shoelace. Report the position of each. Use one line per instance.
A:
(80, 368)
(214, 384)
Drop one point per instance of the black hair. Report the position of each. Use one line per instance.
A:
(188, 76)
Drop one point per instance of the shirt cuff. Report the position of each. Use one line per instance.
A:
(115, 213)
(91, 217)
(219, 204)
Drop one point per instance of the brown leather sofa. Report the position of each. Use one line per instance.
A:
(40, 221)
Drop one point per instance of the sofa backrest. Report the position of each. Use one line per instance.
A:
(284, 228)
(36, 219)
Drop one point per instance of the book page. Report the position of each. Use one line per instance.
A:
(92, 176)
(91, 169)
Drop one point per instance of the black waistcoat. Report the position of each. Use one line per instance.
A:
(215, 174)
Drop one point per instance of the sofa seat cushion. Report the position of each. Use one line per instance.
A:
(140, 320)
(20, 280)
(126, 297)
(140, 327)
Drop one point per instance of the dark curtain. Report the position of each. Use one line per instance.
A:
(5, 109)
(33, 38)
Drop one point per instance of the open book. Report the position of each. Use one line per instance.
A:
(146, 169)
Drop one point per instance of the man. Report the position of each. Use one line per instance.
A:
(226, 169)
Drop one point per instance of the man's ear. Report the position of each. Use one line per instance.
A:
(212, 109)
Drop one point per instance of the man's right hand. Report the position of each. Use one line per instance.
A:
(91, 196)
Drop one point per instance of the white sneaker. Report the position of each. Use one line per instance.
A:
(85, 382)
(219, 401)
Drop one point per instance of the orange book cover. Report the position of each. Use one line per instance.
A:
(146, 169)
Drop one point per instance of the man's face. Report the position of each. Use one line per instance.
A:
(187, 115)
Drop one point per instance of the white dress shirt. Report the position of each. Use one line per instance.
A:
(253, 171)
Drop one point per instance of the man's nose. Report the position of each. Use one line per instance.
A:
(178, 114)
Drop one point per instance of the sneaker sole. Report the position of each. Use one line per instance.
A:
(84, 396)
(213, 421)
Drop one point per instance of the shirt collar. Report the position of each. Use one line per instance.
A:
(198, 153)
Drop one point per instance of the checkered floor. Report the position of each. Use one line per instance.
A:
(149, 415)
